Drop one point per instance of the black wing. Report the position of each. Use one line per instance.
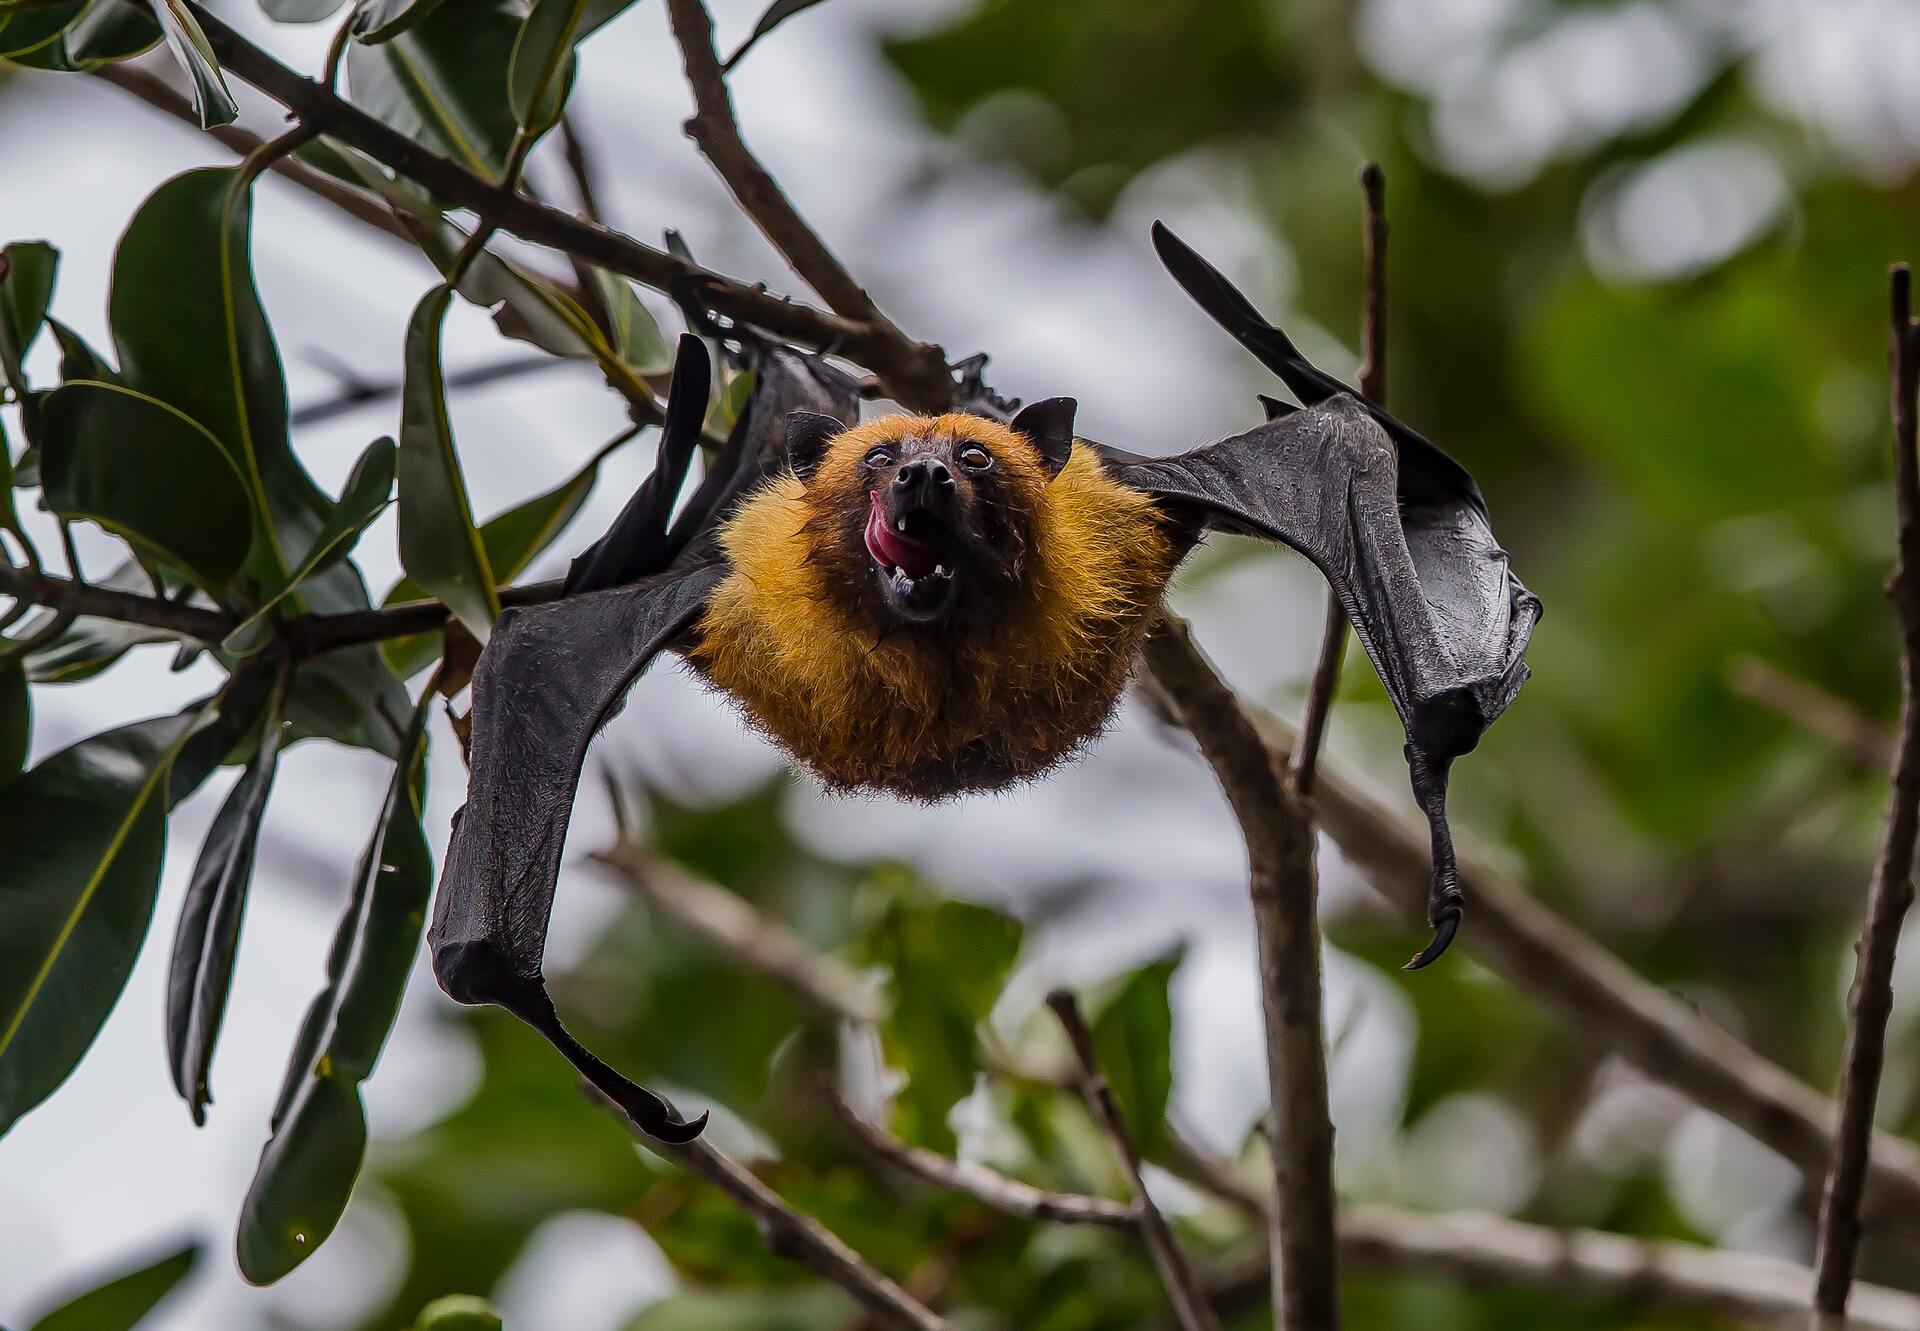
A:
(1401, 533)
(551, 676)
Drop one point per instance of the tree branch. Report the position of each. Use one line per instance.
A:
(1598, 994)
(733, 927)
(1814, 710)
(1373, 383)
(794, 1235)
(1190, 1305)
(986, 1186)
(73, 597)
(915, 372)
(1891, 891)
(1280, 858)
(159, 94)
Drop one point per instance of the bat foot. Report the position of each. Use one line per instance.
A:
(1444, 929)
(656, 1116)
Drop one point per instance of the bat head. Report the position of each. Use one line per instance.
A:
(928, 520)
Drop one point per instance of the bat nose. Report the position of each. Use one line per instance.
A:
(922, 476)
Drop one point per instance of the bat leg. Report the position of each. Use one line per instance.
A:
(1445, 901)
(476, 972)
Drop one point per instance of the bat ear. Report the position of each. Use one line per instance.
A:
(1048, 426)
(808, 433)
(1275, 408)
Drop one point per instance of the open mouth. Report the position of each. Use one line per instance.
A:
(911, 554)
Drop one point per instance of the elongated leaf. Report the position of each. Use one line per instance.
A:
(443, 82)
(208, 935)
(776, 13)
(124, 1301)
(439, 546)
(637, 338)
(110, 30)
(36, 37)
(25, 292)
(1133, 1036)
(514, 539)
(84, 833)
(308, 1167)
(369, 489)
(230, 732)
(382, 20)
(189, 330)
(211, 99)
(300, 11)
(540, 73)
(149, 473)
(16, 720)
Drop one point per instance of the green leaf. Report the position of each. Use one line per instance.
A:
(383, 20)
(16, 720)
(300, 11)
(211, 99)
(540, 74)
(149, 473)
(443, 82)
(930, 1034)
(439, 545)
(1133, 1038)
(110, 30)
(84, 833)
(459, 1312)
(637, 338)
(319, 1138)
(123, 1302)
(514, 539)
(25, 292)
(801, 1309)
(208, 934)
(189, 330)
(369, 490)
(231, 731)
(776, 13)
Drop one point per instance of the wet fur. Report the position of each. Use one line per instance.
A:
(1064, 577)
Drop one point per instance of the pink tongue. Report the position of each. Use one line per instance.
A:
(895, 549)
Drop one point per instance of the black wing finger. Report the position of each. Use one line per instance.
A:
(550, 676)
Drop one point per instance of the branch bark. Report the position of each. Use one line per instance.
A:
(793, 1234)
(986, 1186)
(1280, 856)
(915, 372)
(1190, 1304)
(736, 929)
(1891, 891)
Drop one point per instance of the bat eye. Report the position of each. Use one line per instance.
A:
(879, 457)
(975, 458)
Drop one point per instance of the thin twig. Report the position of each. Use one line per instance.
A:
(1891, 891)
(1865, 743)
(159, 94)
(794, 1235)
(82, 598)
(1280, 851)
(733, 927)
(989, 1187)
(915, 372)
(1478, 1250)
(356, 395)
(1190, 1305)
(716, 129)
(1373, 382)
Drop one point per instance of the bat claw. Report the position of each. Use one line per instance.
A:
(1444, 929)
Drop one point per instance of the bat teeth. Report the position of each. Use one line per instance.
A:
(900, 524)
(899, 572)
(940, 571)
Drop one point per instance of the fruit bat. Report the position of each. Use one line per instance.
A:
(935, 605)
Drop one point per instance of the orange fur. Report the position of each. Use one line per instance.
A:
(931, 712)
